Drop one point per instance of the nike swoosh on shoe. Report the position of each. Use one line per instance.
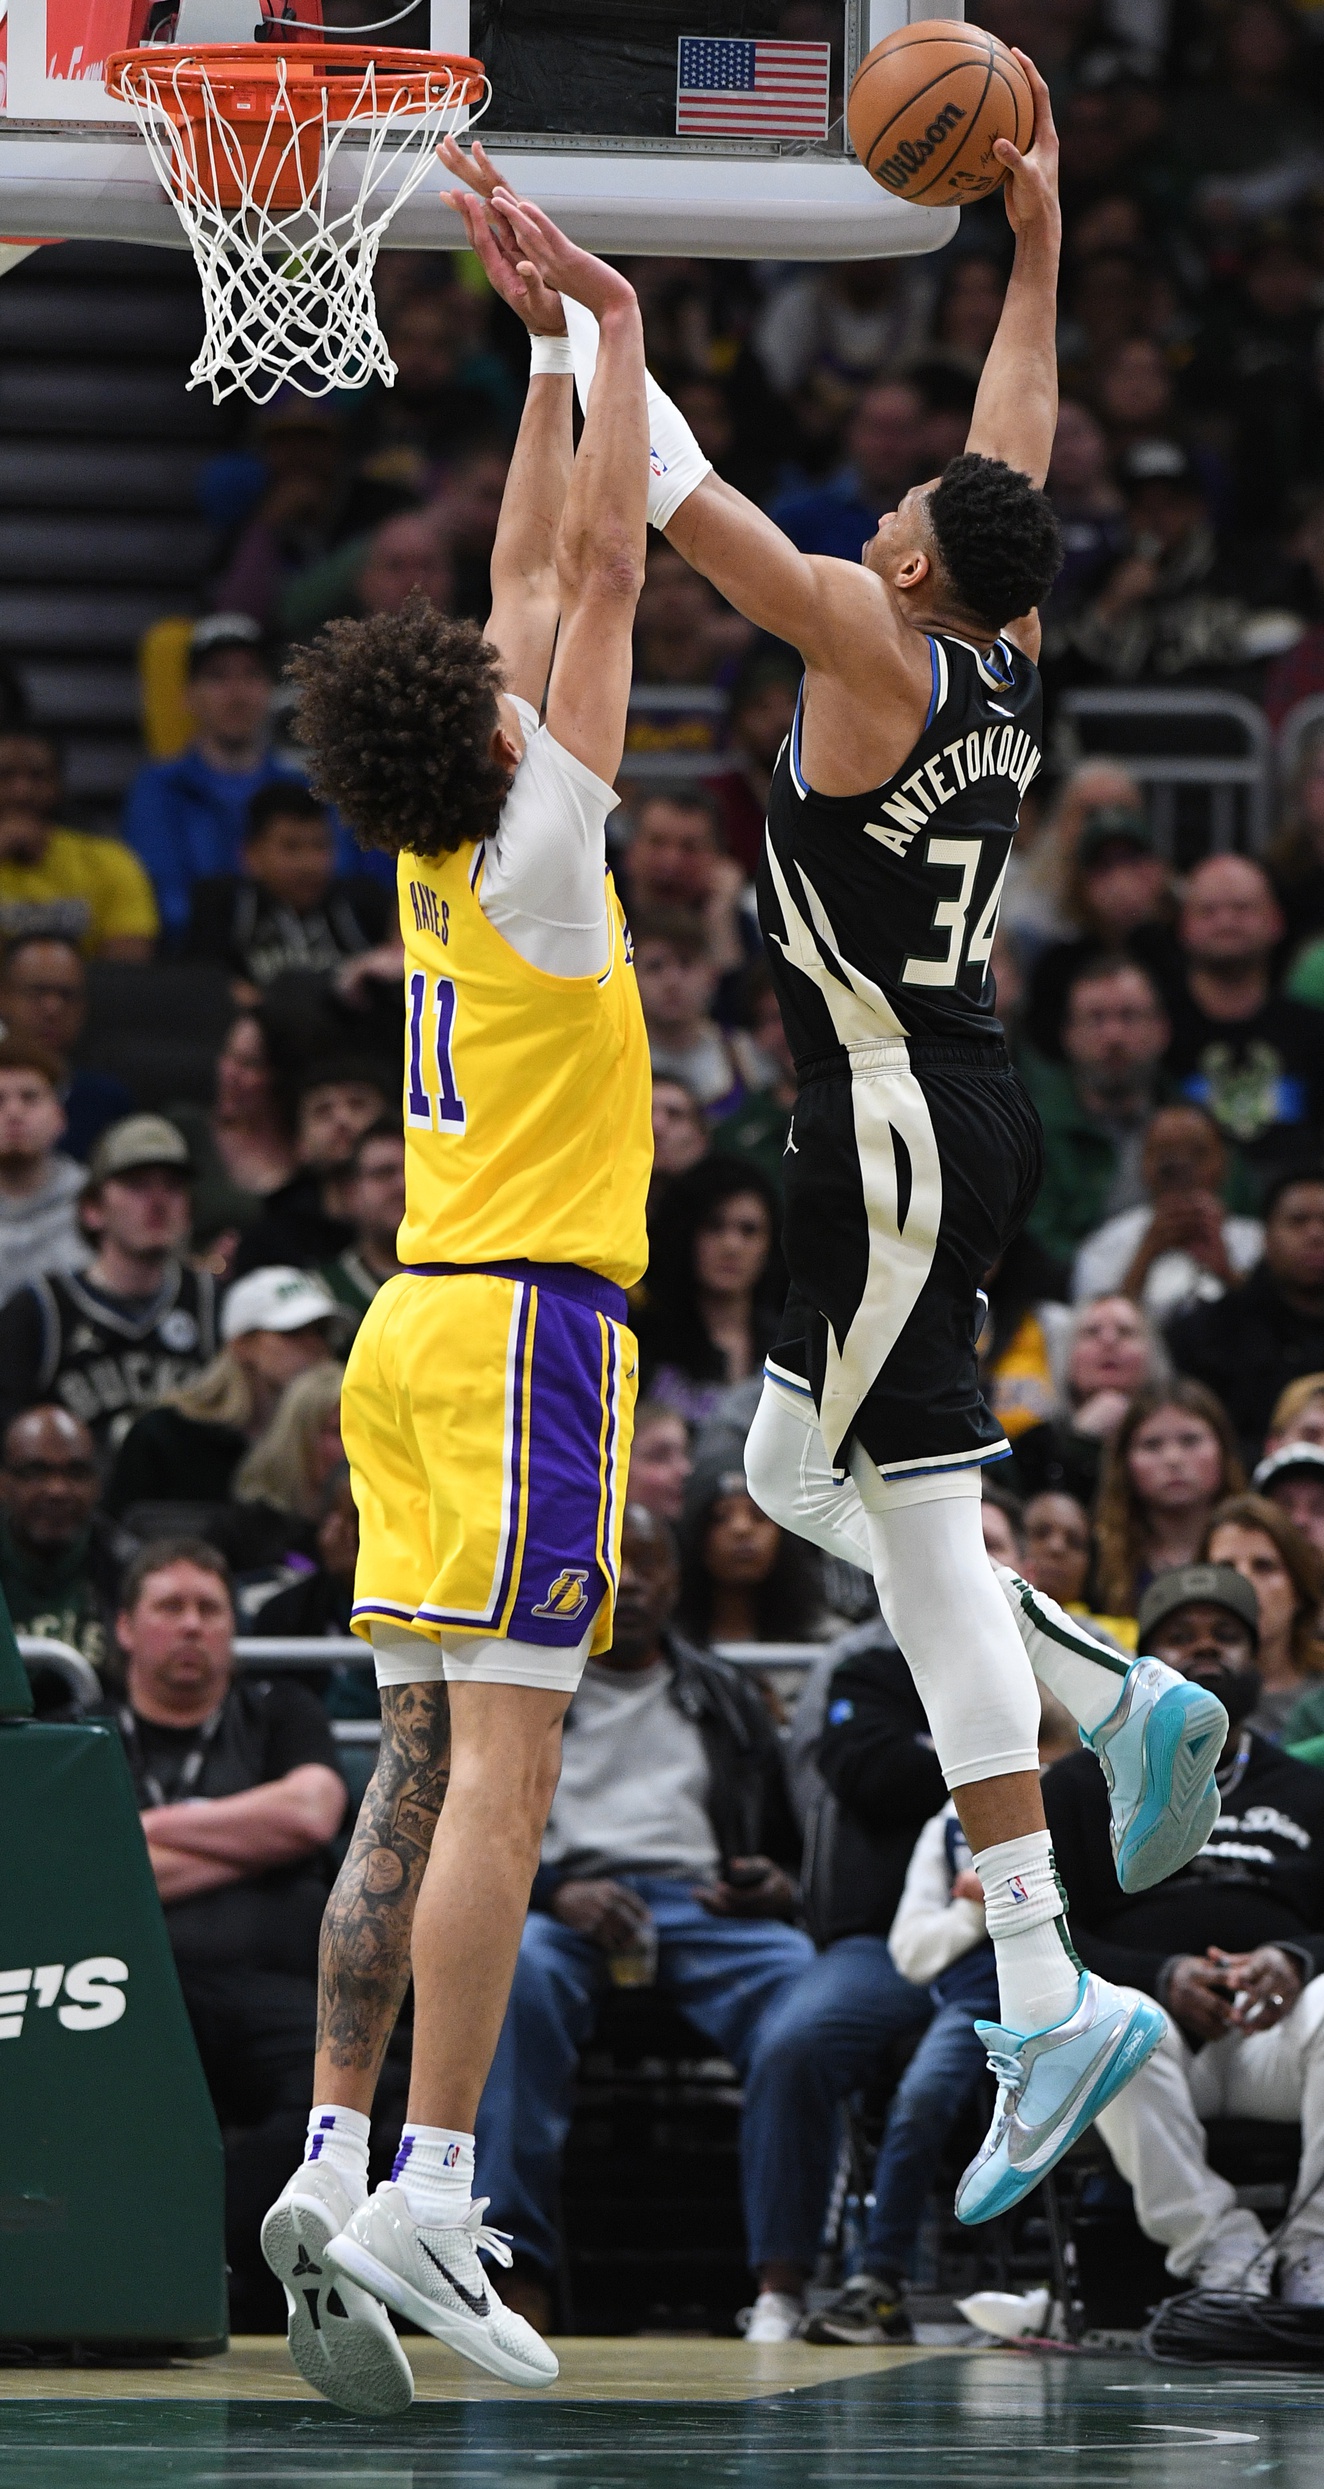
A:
(475, 2301)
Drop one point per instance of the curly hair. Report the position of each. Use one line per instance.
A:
(997, 538)
(398, 713)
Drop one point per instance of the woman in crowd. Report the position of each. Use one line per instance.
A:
(293, 1458)
(1172, 1459)
(711, 1299)
(242, 1146)
(660, 1462)
(1287, 1576)
(1001, 1516)
(743, 1579)
(187, 1450)
(1298, 1414)
(1058, 1559)
(1109, 1351)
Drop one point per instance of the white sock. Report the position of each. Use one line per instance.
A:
(676, 465)
(341, 2137)
(1084, 1674)
(1025, 1914)
(435, 2166)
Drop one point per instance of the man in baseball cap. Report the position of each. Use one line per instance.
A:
(1232, 1947)
(1293, 1478)
(135, 1142)
(108, 1340)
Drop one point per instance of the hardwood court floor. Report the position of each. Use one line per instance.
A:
(675, 2414)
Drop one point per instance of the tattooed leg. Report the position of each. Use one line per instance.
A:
(364, 1960)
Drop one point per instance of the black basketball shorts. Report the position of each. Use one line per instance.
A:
(906, 1178)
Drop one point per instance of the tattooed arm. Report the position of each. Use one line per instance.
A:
(364, 1965)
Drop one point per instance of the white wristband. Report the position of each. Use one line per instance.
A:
(550, 354)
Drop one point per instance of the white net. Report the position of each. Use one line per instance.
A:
(286, 233)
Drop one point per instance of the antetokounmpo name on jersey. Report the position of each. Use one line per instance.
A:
(986, 752)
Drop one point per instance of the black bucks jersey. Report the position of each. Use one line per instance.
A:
(105, 1359)
(914, 1153)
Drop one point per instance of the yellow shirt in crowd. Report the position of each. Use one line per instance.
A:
(92, 889)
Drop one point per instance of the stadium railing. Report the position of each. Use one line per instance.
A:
(1300, 727)
(284, 1653)
(1161, 738)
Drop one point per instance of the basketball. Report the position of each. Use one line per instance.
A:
(927, 105)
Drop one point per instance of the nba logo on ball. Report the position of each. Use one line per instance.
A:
(927, 106)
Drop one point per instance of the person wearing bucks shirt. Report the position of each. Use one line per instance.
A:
(489, 1395)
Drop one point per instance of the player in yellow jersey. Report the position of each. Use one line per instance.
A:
(489, 1397)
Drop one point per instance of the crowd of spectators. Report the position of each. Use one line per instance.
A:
(183, 1269)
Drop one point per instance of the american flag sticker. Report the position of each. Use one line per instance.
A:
(736, 87)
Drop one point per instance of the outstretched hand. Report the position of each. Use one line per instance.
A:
(1031, 186)
(548, 253)
(494, 241)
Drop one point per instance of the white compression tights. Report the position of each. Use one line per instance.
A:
(967, 1628)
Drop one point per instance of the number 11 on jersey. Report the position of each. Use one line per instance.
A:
(439, 1107)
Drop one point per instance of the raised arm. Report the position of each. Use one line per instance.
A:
(600, 545)
(1015, 414)
(796, 596)
(526, 596)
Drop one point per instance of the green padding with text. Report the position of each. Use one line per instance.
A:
(111, 2173)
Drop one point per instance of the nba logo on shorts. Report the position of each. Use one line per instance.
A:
(566, 1596)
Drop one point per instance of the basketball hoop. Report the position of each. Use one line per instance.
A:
(285, 169)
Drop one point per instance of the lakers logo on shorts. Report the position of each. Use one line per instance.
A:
(566, 1595)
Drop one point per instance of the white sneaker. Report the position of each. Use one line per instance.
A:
(774, 2317)
(1234, 2261)
(341, 2341)
(433, 2277)
(1301, 2278)
(1051, 2086)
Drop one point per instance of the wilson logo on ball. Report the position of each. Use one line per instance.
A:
(928, 106)
(896, 169)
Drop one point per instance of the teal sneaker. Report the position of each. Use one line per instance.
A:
(1051, 2086)
(1159, 1750)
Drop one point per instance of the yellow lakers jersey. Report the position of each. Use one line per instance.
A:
(528, 1123)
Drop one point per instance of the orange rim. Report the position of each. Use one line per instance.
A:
(334, 71)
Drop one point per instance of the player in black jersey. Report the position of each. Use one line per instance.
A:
(914, 1155)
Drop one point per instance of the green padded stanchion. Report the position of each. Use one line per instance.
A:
(15, 1691)
(111, 2175)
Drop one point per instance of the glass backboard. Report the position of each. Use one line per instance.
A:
(711, 127)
